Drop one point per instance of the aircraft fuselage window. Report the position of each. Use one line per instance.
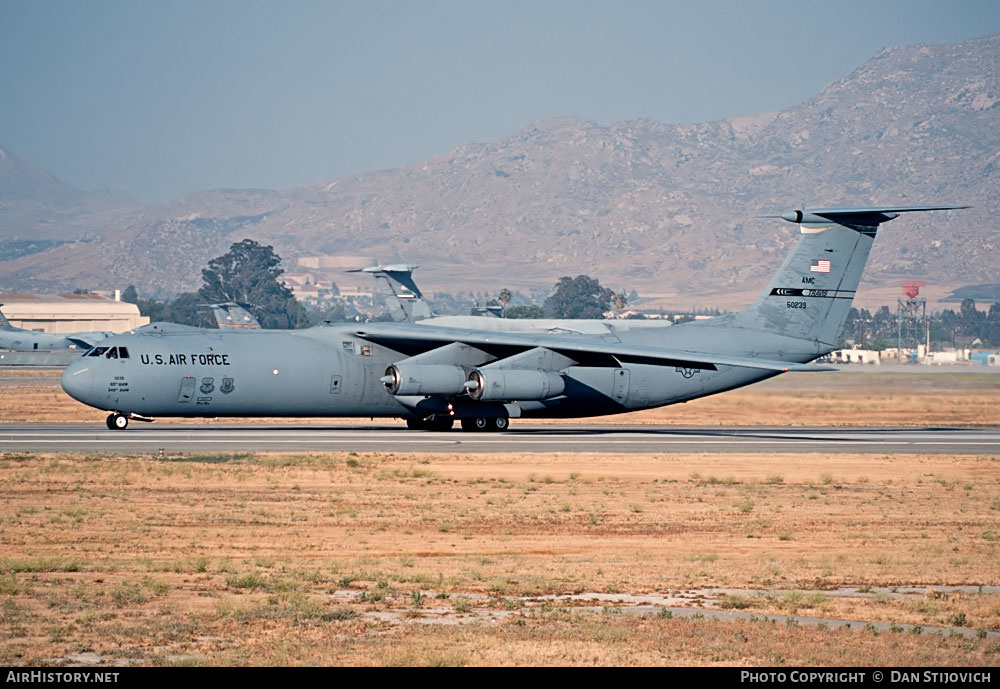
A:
(98, 351)
(123, 352)
(113, 353)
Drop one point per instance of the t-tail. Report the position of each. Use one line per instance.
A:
(400, 293)
(5, 324)
(810, 296)
(233, 314)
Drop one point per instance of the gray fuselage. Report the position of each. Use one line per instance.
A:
(330, 371)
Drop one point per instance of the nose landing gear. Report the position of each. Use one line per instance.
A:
(117, 422)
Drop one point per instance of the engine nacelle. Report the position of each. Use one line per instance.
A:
(496, 385)
(424, 379)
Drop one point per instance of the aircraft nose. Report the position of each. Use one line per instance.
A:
(78, 379)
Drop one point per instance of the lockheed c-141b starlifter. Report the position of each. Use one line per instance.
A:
(431, 375)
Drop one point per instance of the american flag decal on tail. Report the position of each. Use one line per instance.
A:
(819, 266)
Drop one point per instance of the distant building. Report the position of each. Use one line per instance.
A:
(856, 356)
(308, 286)
(982, 358)
(951, 356)
(313, 272)
(70, 313)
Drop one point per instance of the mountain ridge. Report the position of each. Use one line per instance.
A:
(663, 208)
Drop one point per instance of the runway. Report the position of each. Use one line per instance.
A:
(154, 438)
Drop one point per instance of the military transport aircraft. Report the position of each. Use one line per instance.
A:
(431, 375)
(406, 304)
(21, 340)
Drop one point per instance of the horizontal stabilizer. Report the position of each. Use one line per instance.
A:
(863, 217)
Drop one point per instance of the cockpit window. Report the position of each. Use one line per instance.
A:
(123, 352)
(113, 353)
(98, 351)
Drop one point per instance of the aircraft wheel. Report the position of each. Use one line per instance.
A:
(500, 423)
(415, 424)
(117, 422)
(478, 423)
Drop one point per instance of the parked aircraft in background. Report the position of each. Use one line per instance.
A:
(21, 340)
(232, 314)
(430, 374)
(229, 315)
(400, 293)
(406, 304)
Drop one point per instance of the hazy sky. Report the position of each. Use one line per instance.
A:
(163, 97)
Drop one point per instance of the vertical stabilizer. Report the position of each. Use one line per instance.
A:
(232, 314)
(811, 294)
(5, 324)
(402, 297)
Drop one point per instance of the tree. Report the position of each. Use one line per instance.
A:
(579, 297)
(522, 311)
(185, 309)
(249, 274)
(621, 301)
(504, 297)
(130, 296)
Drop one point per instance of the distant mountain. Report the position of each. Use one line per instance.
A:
(661, 208)
(39, 213)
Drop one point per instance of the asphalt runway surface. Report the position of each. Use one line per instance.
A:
(523, 437)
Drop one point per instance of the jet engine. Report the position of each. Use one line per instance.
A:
(424, 379)
(496, 385)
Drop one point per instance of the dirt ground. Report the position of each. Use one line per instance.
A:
(433, 559)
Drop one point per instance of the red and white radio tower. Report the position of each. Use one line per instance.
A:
(911, 321)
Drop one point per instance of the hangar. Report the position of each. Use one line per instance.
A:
(70, 313)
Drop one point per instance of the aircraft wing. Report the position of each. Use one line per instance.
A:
(588, 350)
(166, 327)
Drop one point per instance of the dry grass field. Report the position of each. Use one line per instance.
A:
(513, 559)
(447, 559)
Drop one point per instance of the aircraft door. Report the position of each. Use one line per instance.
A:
(187, 389)
(620, 389)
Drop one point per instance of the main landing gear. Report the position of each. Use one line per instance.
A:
(444, 423)
(483, 423)
(436, 423)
